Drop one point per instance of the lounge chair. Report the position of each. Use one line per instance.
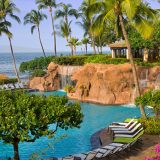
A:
(103, 152)
(68, 158)
(129, 131)
(129, 138)
(17, 86)
(119, 124)
(124, 128)
(81, 155)
(128, 135)
(91, 155)
(86, 156)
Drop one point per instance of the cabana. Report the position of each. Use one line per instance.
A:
(119, 49)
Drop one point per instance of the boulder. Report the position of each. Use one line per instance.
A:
(112, 84)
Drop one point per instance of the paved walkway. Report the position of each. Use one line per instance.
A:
(138, 152)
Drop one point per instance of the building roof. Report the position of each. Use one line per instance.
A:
(118, 44)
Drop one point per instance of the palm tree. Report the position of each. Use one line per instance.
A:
(7, 10)
(50, 4)
(85, 41)
(73, 43)
(35, 18)
(130, 9)
(65, 30)
(87, 20)
(65, 12)
(3, 28)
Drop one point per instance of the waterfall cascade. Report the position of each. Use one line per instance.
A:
(144, 78)
(157, 82)
(65, 74)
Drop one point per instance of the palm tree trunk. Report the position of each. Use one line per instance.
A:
(75, 50)
(39, 34)
(93, 45)
(98, 50)
(101, 49)
(86, 47)
(16, 150)
(132, 63)
(14, 60)
(54, 32)
(72, 50)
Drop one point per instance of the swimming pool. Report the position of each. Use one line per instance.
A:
(76, 140)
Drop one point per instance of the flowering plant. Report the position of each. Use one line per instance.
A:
(157, 151)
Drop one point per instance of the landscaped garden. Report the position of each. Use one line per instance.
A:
(92, 119)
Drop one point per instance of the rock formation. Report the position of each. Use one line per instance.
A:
(57, 77)
(99, 83)
(112, 84)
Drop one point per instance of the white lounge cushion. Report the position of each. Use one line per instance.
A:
(129, 131)
(128, 135)
(121, 125)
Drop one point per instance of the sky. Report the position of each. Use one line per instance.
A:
(24, 41)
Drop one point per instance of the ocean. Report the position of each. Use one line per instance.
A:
(6, 62)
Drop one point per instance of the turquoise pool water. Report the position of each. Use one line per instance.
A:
(96, 117)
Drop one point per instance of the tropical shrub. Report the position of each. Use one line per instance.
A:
(8, 81)
(150, 98)
(105, 59)
(79, 60)
(69, 89)
(25, 117)
(38, 73)
(37, 63)
(151, 125)
(70, 60)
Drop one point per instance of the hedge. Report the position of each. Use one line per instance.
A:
(8, 81)
(79, 60)
(37, 63)
(38, 73)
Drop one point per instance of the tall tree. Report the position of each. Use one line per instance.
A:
(26, 118)
(50, 4)
(85, 41)
(35, 18)
(130, 9)
(86, 15)
(65, 30)
(65, 12)
(7, 10)
(3, 29)
(73, 43)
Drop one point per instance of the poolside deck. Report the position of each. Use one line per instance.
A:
(101, 138)
(137, 152)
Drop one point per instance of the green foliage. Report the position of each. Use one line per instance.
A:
(25, 117)
(151, 125)
(105, 59)
(8, 81)
(70, 60)
(69, 89)
(38, 73)
(137, 41)
(42, 63)
(150, 98)
(37, 63)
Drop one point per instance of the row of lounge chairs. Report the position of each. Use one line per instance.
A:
(124, 136)
(12, 86)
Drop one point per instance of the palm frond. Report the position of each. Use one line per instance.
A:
(33, 28)
(130, 7)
